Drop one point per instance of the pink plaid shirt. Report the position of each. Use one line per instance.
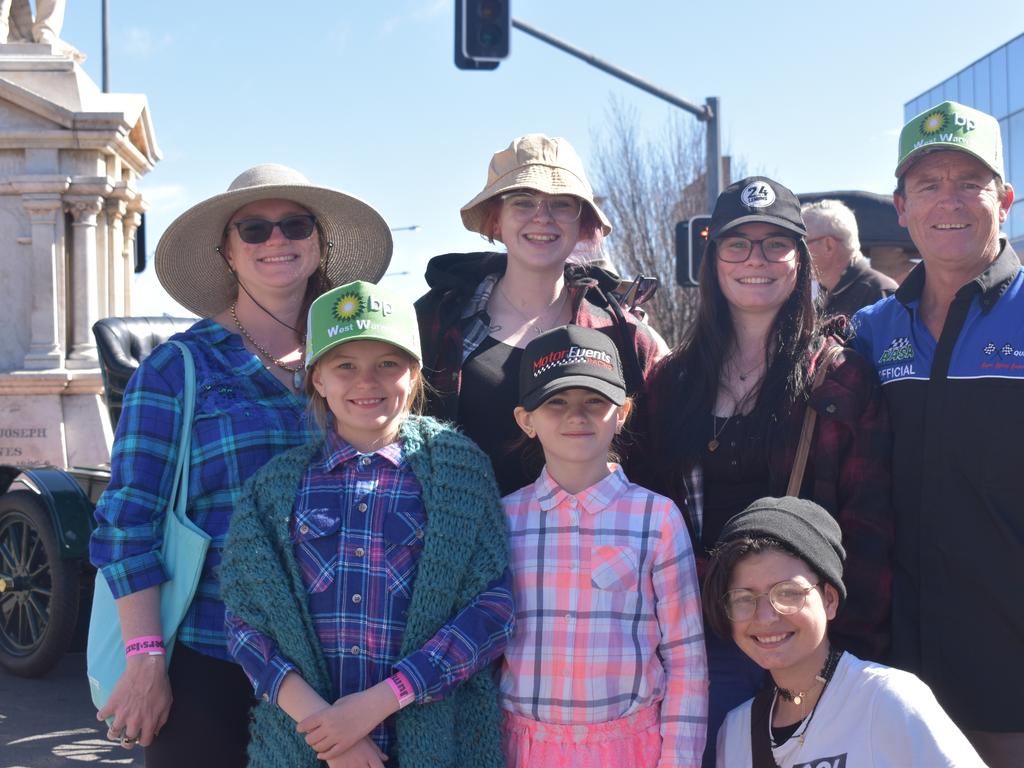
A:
(608, 617)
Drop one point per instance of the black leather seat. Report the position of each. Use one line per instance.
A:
(123, 343)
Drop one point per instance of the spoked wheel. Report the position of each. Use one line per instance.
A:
(39, 597)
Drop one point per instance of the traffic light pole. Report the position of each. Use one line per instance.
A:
(706, 113)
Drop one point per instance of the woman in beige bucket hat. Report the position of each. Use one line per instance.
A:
(249, 261)
(483, 308)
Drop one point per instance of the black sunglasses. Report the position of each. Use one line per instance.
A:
(640, 291)
(296, 227)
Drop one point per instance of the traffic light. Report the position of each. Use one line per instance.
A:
(482, 32)
(691, 239)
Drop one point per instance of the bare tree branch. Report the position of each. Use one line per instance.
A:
(646, 187)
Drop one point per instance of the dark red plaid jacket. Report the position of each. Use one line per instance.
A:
(454, 279)
(848, 473)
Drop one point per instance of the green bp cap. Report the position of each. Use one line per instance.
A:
(950, 125)
(361, 311)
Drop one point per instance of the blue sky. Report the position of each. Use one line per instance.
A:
(364, 96)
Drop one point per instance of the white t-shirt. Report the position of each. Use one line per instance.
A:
(870, 716)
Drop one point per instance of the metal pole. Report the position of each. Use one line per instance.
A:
(700, 112)
(106, 47)
(713, 151)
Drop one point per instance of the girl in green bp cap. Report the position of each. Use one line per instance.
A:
(365, 574)
(774, 584)
(606, 667)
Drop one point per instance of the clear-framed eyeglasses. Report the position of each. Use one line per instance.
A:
(524, 206)
(736, 249)
(786, 597)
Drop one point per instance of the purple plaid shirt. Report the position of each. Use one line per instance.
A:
(357, 528)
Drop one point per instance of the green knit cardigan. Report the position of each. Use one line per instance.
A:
(465, 549)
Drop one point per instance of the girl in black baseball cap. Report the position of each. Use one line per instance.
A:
(722, 417)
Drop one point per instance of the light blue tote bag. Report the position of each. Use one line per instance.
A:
(183, 553)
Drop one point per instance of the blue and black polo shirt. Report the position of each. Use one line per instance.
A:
(957, 410)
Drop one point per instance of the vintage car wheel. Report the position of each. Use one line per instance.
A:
(39, 601)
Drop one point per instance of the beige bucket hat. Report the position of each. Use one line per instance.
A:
(195, 275)
(537, 162)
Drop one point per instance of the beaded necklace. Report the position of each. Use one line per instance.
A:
(295, 370)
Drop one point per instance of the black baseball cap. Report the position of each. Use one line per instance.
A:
(756, 199)
(570, 357)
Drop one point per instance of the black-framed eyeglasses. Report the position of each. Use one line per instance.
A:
(298, 226)
(524, 206)
(786, 597)
(736, 249)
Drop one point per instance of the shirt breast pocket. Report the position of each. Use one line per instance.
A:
(403, 542)
(315, 536)
(615, 568)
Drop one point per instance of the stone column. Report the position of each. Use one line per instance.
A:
(116, 274)
(45, 350)
(83, 292)
(130, 225)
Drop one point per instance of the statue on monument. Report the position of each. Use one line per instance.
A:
(17, 24)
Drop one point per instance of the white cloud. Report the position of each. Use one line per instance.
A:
(139, 41)
(165, 198)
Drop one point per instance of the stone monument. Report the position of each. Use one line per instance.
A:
(70, 160)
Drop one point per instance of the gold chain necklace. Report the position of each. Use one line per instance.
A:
(534, 320)
(294, 370)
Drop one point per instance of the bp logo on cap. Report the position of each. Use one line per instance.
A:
(757, 195)
(950, 125)
(360, 311)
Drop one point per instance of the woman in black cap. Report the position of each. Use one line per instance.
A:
(723, 416)
(820, 706)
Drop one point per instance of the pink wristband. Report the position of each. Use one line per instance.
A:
(402, 690)
(151, 645)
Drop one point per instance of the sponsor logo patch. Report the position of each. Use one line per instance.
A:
(759, 194)
(899, 349)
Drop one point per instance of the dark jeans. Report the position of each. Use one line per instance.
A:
(208, 726)
(734, 678)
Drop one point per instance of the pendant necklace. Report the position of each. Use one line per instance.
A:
(533, 323)
(716, 430)
(295, 370)
(822, 678)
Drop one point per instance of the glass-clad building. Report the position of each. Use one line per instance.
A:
(993, 84)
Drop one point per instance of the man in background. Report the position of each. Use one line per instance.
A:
(843, 271)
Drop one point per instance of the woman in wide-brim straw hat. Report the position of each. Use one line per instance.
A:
(483, 308)
(249, 262)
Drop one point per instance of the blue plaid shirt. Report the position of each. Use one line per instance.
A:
(358, 527)
(243, 417)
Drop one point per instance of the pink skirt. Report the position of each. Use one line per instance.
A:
(629, 742)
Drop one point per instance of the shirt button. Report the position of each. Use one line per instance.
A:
(427, 699)
(265, 697)
(830, 408)
(361, 506)
(419, 534)
(355, 650)
(733, 462)
(357, 599)
(572, 502)
(360, 551)
(303, 529)
(365, 461)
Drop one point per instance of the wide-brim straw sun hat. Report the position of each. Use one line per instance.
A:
(537, 162)
(196, 276)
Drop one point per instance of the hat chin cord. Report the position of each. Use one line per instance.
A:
(293, 329)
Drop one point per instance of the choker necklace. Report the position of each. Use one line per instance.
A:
(295, 370)
(823, 677)
(532, 322)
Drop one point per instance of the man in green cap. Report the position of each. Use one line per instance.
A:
(949, 350)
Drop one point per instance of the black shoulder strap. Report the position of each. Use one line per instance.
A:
(760, 743)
